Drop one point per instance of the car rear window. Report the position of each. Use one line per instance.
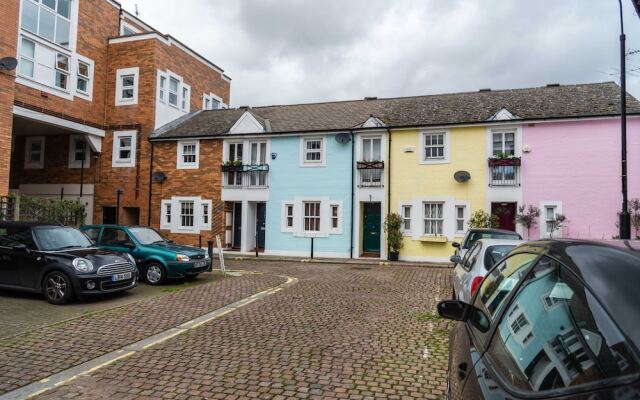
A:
(475, 236)
(494, 253)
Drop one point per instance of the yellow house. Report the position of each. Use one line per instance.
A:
(438, 177)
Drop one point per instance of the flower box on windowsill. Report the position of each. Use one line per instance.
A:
(434, 239)
(232, 168)
(505, 162)
(370, 165)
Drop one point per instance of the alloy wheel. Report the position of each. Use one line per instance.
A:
(154, 274)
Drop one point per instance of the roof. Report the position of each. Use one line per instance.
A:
(540, 103)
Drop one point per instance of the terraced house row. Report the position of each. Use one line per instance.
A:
(283, 175)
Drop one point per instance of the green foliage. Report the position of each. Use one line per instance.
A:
(503, 156)
(528, 217)
(634, 211)
(557, 223)
(66, 212)
(482, 219)
(393, 229)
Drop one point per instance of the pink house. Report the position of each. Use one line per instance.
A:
(573, 168)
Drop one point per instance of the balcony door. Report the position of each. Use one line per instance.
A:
(371, 152)
(504, 145)
(235, 154)
(257, 176)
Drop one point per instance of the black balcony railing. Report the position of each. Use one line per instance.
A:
(370, 173)
(504, 171)
(245, 176)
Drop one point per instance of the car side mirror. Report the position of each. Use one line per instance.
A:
(456, 259)
(456, 245)
(460, 311)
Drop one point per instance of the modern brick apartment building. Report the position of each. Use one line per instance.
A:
(92, 78)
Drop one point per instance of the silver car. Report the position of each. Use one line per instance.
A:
(471, 269)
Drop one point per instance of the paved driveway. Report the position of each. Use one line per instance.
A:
(342, 331)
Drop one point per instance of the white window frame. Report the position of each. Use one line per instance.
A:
(205, 225)
(118, 162)
(165, 211)
(27, 58)
(124, 24)
(304, 151)
(423, 146)
(503, 133)
(318, 205)
(61, 71)
(180, 150)
(28, 164)
(176, 93)
(338, 229)
(185, 101)
(425, 218)
(542, 223)
(88, 94)
(162, 87)
(363, 146)
(457, 219)
(73, 163)
(71, 20)
(403, 208)
(193, 215)
(120, 74)
(523, 331)
(285, 227)
(211, 97)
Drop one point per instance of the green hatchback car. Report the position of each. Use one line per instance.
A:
(156, 257)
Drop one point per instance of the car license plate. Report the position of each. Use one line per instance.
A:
(121, 277)
(200, 264)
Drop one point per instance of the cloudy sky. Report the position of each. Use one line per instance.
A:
(291, 51)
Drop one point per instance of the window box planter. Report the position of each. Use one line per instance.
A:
(232, 168)
(370, 165)
(505, 162)
(434, 239)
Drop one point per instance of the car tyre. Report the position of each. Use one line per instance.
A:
(154, 273)
(57, 288)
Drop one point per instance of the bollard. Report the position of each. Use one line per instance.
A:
(312, 248)
(200, 241)
(210, 251)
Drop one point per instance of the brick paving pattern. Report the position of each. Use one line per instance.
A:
(33, 356)
(345, 332)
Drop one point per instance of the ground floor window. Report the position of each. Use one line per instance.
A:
(550, 215)
(334, 216)
(186, 214)
(460, 211)
(406, 218)
(312, 216)
(289, 215)
(433, 218)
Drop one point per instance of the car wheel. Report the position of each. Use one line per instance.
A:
(154, 274)
(57, 288)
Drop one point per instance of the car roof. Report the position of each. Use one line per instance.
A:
(495, 242)
(26, 224)
(492, 230)
(612, 271)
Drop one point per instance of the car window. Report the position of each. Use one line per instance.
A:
(146, 235)
(556, 335)
(493, 254)
(472, 256)
(17, 236)
(499, 283)
(475, 236)
(92, 233)
(115, 237)
(60, 238)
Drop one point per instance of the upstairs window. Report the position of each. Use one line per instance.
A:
(127, 86)
(434, 146)
(162, 93)
(27, 57)
(503, 143)
(312, 151)
(49, 19)
(371, 149)
(173, 91)
(124, 149)
(211, 102)
(185, 98)
(62, 71)
(188, 155)
(83, 77)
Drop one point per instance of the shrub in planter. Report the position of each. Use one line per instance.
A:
(393, 230)
(482, 219)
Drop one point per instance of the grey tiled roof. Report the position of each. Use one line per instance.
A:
(549, 102)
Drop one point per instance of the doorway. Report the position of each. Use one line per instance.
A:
(237, 226)
(261, 215)
(109, 215)
(506, 213)
(371, 229)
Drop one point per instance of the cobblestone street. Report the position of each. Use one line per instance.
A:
(343, 331)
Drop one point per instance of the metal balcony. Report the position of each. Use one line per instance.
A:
(370, 174)
(245, 176)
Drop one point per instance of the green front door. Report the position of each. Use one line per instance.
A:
(371, 228)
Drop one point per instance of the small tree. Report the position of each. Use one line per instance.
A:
(482, 219)
(393, 229)
(528, 217)
(557, 223)
(634, 211)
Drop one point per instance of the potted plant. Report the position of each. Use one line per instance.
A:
(503, 159)
(482, 219)
(393, 230)
(232, 166)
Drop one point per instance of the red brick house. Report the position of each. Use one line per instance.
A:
(92, 83)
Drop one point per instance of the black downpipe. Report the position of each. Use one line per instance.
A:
(389, 182)
(150, 183)
(353, 194)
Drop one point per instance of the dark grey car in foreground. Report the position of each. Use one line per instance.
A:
(553, 319)
(60, 262)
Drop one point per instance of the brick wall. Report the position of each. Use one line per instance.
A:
(204, 182)
(8, 41)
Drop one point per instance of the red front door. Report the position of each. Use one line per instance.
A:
(506, 213)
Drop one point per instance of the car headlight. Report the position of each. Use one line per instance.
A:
(82, 265)
(206, 255)
(182, 258)
(130, 257)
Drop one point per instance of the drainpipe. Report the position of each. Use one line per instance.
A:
(389, 181)
(84, 151)
(353, 148)
(150, 183)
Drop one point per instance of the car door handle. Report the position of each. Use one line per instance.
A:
(462, 370)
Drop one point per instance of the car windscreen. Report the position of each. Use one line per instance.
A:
(475, 236)
(61, 238)
(146, 235)
(494, 253)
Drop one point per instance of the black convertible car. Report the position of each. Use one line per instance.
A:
(60, 262)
